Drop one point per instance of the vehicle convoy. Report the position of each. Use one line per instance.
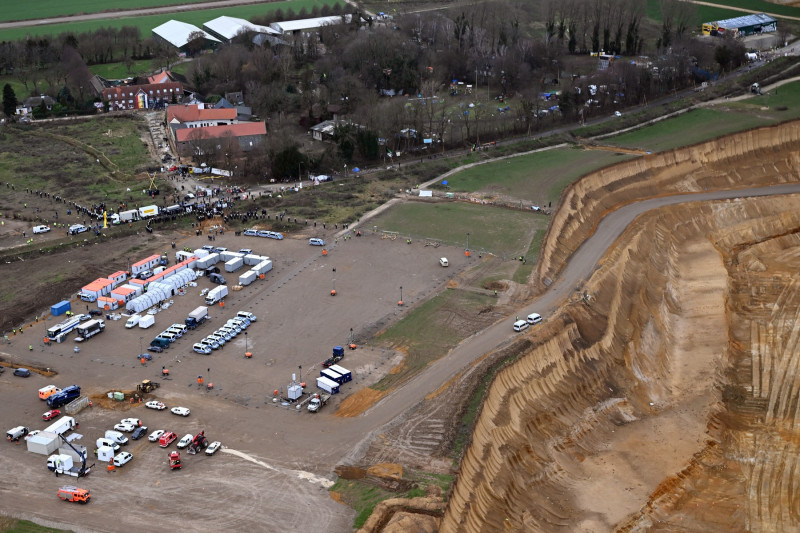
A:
(216, 294)
(197, 317)
(318, 402)
(69, 493)
(64, 464)
(64, 397)
(89, 329)
(14, 434)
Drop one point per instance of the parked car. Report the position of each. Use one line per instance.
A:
(246, 251)
(534, 318)
(316, 242)
(155, 404)
(135, 422)
(40, 229)
(154, 436)
(156, 349)
(251, 233)
(146, 356)
(211, 343)
(49, 415)
(199, 347)
(249, 316)
(122, 458)
(263, 233)
(139, 433)
(22, 372)
(32, 433)
(127, 428)
(180, 411)
(77, 228)
(207, 247)
(95, 312)
(185, 441)
(213, 447)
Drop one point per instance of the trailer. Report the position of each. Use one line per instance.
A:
(148, 211)
(346, 374)
(207, 261)
(263, 267)
(248, 277)
(216, 294)
(89, 329)
(234, 264)
(333, 376)
(329, 386)
(43, 443)
(197, 317)
(62, 425)
(58, 332)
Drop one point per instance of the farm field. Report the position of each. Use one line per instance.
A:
(59, 8)
(707, 123)
(146, 23)
(539, 177)
(118, 70)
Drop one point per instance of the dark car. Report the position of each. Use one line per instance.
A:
(139, 432)
(96, 312)
(156, 349)
(146, 356)
(22, 372)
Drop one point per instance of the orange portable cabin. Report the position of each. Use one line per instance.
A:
(118, 277)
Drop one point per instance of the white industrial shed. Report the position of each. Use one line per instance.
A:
(226, 28)
(177, 34)
(158, 291)
(292, 26)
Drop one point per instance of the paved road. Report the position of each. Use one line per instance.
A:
(581, 265)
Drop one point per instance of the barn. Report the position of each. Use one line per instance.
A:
(180, 34)
(742, 26)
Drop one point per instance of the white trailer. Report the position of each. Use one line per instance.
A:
(328, 385)
(125, 216)
(263, 267)
(207, 261)
(148, 211)
(146, 321)
(62, 425)
(248, 277)
(234, 264)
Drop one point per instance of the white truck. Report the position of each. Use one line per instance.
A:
(148, 211)
(197, 317)
(89, 329)
(216, 294)
(125, 216)
(317, 402)
(17, 433)
(64, 464)
(133, 321)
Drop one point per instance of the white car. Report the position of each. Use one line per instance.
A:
(180, 411)
(201, 348)
(134, 421)
(40, 229)
(617, 114)
(316, 242)
(154, 436)
(155, 404)
(77, 228)
(249, 316)
(124, 427)
(122, 458)
(32, 433)
(213, 447)
(185, 441)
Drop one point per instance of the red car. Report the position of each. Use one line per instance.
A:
(49, 415)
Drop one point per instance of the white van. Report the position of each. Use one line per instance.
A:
(534, 318)
(108, 442)
(133, 321)
(40, 229)
(171, 337)
(249, 316)
(521, 325)
(116, 436)
(443, 261)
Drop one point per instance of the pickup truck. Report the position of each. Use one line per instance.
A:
(317, 402)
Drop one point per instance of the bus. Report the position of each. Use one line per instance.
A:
(58, 332)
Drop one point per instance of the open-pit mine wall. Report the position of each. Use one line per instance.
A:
(664, 396)
(737, 161)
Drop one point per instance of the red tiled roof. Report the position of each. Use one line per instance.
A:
(192, 113)
(161, 77)
(159, 89)
(214, 132)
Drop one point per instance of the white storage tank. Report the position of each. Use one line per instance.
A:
(234, 264)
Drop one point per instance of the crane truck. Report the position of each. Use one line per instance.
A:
(64, 464)
(317, 402)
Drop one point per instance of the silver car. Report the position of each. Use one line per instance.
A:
(220, 340)
(224, 334)
(210, 342)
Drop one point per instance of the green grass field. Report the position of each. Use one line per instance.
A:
(147, 23)
(538, 177)
(116, 71)
(708, 123)
(59, 8)
(497, 230)
(711, 13)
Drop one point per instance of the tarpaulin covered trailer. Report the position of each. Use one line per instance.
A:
(207, 261)
(234, 264)
(263, 267)
(253, 259)
(248, 277)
